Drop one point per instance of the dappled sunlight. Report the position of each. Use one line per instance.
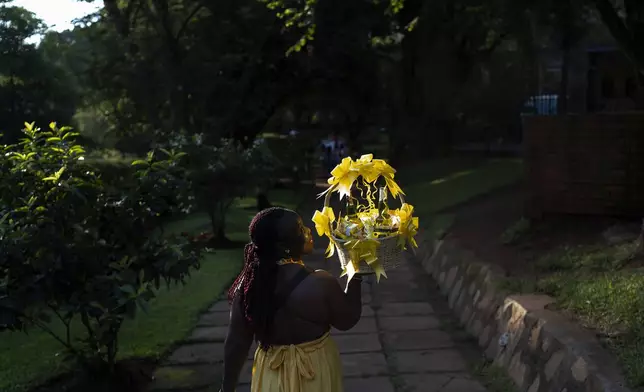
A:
(189, 224)
(451, 177)
(189, 116)
(456, 186)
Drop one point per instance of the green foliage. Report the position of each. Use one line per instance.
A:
(221, 173)
(150, 69)
(301, 15)
(75, 249)
(588, 258)
(29, 84)
(115, 168)
(516, 231)
(625, 21)
(601, 286)
(446, 183)
(494, 377)
(287, 164)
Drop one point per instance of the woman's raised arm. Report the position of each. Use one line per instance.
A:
(344, 309)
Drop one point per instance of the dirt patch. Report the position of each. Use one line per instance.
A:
(481, 225)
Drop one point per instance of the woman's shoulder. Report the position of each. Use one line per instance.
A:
(321, 273)
(323, 276)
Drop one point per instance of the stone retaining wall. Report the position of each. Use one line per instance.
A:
(540, 349)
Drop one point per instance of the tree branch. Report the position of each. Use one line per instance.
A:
(494, 46)
(618, 28)
(51, 333)
(66, 322)
(118, 17)
(184, 25)
(635, 18)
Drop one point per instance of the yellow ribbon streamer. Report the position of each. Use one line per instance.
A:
(323, 221)
(360, 250)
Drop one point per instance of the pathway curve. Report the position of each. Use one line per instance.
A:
(401, 344)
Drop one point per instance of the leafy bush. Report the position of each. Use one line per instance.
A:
(223, 172)
(115, 168)
(296, 166)
(516, 231)
(77, 250)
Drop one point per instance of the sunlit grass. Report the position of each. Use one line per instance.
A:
(30, 359)
(494, 378)
(431, 195)
(597, 285)
(436, 186)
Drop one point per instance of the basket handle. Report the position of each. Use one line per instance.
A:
(327, 197)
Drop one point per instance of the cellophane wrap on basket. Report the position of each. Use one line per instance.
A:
(361, 240)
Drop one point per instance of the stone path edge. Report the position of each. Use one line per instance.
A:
(540, 350)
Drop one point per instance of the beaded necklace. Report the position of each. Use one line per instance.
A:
(289, 261)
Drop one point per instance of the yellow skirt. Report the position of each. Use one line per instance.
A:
(308, 367)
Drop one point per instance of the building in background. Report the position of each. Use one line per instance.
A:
(601, 77)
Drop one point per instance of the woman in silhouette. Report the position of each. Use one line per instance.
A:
(288, 309)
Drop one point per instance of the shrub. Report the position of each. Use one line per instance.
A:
(77, 250)
(516, 231)
(114, 167)
(222, 172)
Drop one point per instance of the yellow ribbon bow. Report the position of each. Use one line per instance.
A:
(388, 172)
(371, 169)
(367, 168)
(342, 177)
(408, 226)
(323, 221)
(347, 172)
(360, 250)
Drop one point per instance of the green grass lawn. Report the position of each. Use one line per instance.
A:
(435, 186)
(602, 286)
(28, 360)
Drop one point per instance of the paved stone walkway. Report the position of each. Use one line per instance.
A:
(400, 344)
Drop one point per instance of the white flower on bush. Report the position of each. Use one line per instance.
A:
(178, 140)
(197, 138)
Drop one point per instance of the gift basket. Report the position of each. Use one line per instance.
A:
(367, 236)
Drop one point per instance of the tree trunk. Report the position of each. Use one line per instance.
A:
(566, 44)
(262, 201)
(630, 41)
(218, 224)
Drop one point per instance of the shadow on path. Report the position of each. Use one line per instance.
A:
(406, 341)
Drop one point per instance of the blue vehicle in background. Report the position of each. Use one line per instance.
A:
(540, 105)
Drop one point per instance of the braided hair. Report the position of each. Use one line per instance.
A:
(275, 233)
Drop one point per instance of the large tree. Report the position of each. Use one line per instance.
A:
(30, 87)
(625, 20)
(218, 68)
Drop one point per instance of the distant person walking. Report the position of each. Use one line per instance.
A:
(328, 159)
